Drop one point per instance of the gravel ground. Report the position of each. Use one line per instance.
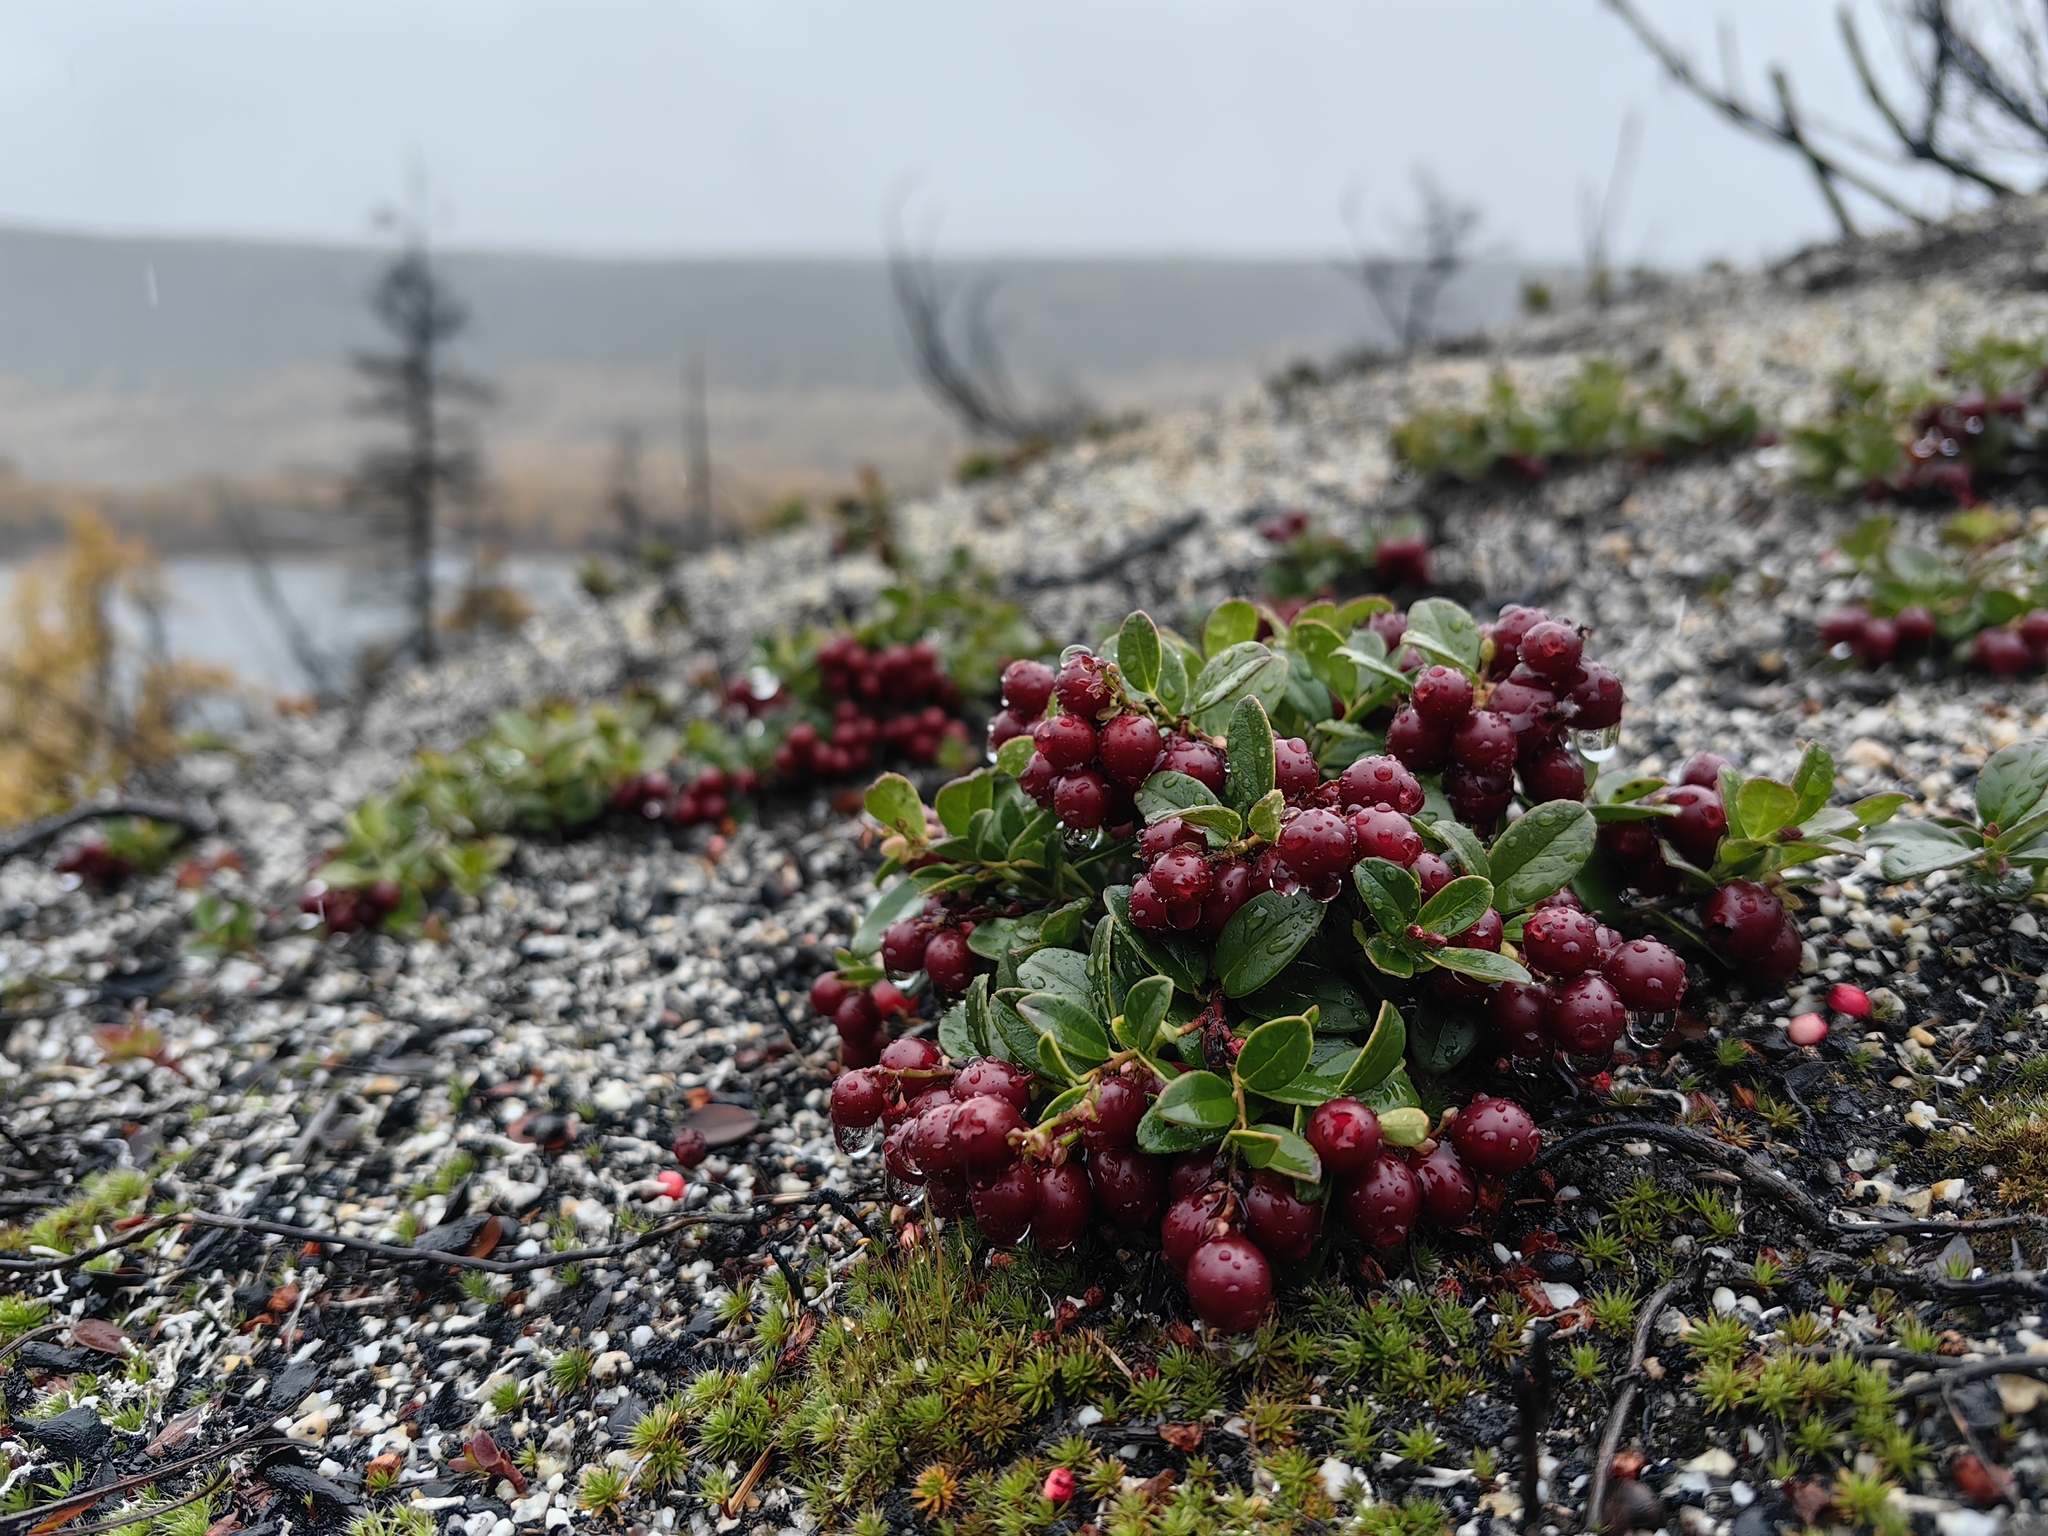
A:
(531, 1069)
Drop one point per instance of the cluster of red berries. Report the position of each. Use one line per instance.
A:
(860, 1014)
(1092, 756)
(1545, 689)
(963, 1136)
(1593, 979)
(351, 911)
(2004, 650)
(897, 698)
(707, 797)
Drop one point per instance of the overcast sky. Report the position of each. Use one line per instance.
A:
(1229, 127)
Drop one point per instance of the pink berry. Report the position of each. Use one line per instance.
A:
(1230, 1284)
(1345, 1134)
(1853, 1001)
(1807, 1029)
(1496, 1136)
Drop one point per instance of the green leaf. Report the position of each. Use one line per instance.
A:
(1249, 748)
(1233, 623)
(1481, 964)
(1457, 906)
(1394, 956)
(892, 800)
(1172, 692)
(902, 899)
(958, 800)
(1243, 671)
(1814, 783)
(1145, 1006)
(1404, 1127)
(2011, 783)
(1465, 844)
(1168, 794)
(1541, 853)
(1198, 1099)
(1173, 955)
(1161, 1136)
(1382, 1053)
(1266, 933)
(1391, 894)
(1276, 1149)
(1274, 1054)
(1066, 1020)
(1064, 971)
(1015, 755)
(1264, 817)
(1138, 652)
(1440, 628)
(1766, 805)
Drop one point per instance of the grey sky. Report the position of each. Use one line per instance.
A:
(755, 126)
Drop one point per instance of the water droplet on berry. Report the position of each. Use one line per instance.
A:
(1598, 746)
(856, 1140)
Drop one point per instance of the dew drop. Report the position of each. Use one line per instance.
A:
(857, 1141)
(1598, 746)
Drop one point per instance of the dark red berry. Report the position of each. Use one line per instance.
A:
(1696, 831)
(857, 1100)
(1129, 1186)
(1230, 1284)
(1129, 746)
(1115, 1113)
(1004, 1204)
(911, 1055)
(1587, 1015)
(1421, 746)
(1560, 941)
(1198, 760)
(1650, 977)
(948, 960)
(691, 1148)
(1520, 1011)
(1316, 844)
(1496, 1136)
(1027, 685)
(1382, 1202)
(991, 1075)
(1295, 772)
(1345, 1134)
(1063, 1207)
(1384, 834)
(1551, 650)
(1284, 1225)
(903, 946)
(1443, 697)
(1486, 740)
(827, 993)
(1448, 1193)
(1081, 799)
(1066, 741)
(1379, 781)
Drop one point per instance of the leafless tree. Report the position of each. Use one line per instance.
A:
(434, 465)
(1405, 289)
(1967, 98)
(969, 378)
(1600, 212)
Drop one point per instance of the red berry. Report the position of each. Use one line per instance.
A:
(1696, 831)
(1382, 1202)
(1316, 844)
(691, 1148)
(1648, 976)
(1003, 1205)
(1026, 687)
(911, 1055)
(827, 993)
(1064, 1205)
(1742, 920)
(1519, 1011)
(1419, 745)
(1230, 1284)
(1081, 799)
(1345, 1134)
(1384, 834)
(1551, 650)
(1128, 1185)
(1704, 770)
(1066, 741)
(1485, 740)
(1037, 779)
(1129, 746)
(1448, 1193)
(1379, 782)
(1496, 1136)
(948, 960)
(1433, 872)
(1560, 941)
(1198, 760)
(1443, 697)
(1117, 1109)
(2001, 652)
(857, 1100)
(1284, 1225)
(1180, 875)
(1084, 688)
(903, 946)
(1587, 1015)
(981, 1134)
(1555, 774)
(992, 1076)
(1595, 699)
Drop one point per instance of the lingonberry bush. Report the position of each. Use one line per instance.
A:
(1214, 911)
(1977, 600)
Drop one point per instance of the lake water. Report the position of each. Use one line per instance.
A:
(217, 614)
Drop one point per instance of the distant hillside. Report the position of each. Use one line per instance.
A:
(135, 363)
